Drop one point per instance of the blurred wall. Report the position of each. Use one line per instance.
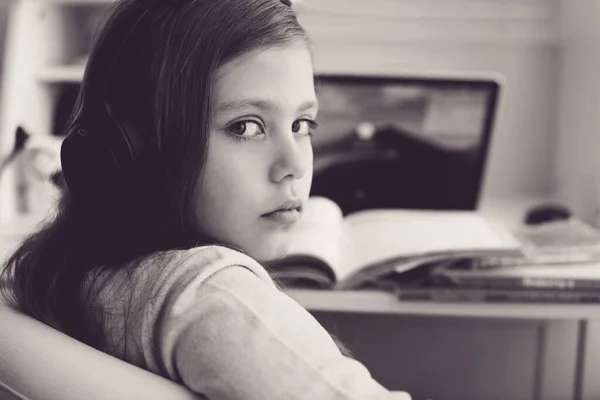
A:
(518, 40)
(4, 5)
(578, 148)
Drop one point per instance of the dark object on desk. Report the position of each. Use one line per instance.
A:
(546, 213)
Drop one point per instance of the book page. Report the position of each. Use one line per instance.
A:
(377, 235)
(319, 231)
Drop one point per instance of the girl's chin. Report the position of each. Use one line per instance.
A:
(271, 251)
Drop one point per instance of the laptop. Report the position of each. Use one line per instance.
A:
(406, 141)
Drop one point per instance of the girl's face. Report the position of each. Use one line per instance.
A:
(260, 155)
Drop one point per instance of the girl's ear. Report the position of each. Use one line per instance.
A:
(21, 138)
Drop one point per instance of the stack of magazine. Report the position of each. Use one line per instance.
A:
(560, 263)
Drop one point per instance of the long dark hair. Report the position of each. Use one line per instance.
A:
(162, 82)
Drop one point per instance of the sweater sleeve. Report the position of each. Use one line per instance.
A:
(233, 335)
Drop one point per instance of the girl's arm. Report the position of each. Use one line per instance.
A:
(235, 336)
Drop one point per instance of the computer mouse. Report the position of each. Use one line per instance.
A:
(546, 213)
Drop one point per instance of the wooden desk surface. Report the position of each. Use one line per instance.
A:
(385, 303)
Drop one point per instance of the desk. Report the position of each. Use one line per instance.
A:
(469, 350)
(532, 351)
(448, 351)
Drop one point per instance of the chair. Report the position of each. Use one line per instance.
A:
(38, 362)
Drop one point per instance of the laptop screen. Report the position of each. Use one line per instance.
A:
(430, 144)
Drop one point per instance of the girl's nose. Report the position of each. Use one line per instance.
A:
(293, 157)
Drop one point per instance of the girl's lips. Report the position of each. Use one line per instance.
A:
(284, 216)
(287, 205)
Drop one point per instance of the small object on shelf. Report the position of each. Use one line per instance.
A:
(33, 162)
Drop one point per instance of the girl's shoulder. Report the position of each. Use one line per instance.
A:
(159, 294)
(167, 273)
(200, 262)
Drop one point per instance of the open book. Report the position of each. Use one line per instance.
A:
(331, 251)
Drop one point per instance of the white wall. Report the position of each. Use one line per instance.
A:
(578, 151)
(516, 39)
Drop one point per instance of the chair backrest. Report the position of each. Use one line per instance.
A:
(38, 362)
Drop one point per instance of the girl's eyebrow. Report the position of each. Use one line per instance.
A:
(264, 105)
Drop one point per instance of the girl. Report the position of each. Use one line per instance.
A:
(188, 162)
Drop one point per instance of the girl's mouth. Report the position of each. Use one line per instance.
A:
(285, 216)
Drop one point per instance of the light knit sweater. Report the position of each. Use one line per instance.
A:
(212, 319)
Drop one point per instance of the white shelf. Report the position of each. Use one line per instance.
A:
(62, 74)
(385, 303)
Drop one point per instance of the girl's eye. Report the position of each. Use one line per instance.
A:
(246, 129)
(303, 127)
